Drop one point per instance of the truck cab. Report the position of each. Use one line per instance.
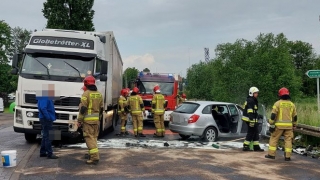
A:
(168, 84)
(64, 58)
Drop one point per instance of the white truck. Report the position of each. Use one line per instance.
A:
(64, 58)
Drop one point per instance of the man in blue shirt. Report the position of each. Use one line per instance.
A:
(46, 116)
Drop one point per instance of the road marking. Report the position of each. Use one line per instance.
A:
(22, 164)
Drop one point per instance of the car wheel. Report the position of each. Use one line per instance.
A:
(184, 137)
(210, 134)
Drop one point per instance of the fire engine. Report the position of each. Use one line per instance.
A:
(169, 86)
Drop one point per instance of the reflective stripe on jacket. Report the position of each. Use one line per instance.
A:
(134, 103)
(122, 103)
(158, 102)
(250, 110)
(94, 102)
(285, 110)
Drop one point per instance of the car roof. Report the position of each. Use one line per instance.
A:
(209, 102)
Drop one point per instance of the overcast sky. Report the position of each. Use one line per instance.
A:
(164, 34)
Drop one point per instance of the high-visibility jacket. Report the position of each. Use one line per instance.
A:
(285, 112)
(93, 101)
(135, 104)
(122, 104)
(250, 112)
(158, 104)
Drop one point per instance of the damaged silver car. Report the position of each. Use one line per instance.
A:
(210, 120)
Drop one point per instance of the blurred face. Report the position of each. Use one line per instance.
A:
(255, 94)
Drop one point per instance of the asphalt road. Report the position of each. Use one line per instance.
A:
(152, 162)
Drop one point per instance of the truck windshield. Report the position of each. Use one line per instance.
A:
(147, 87)
(56, 65)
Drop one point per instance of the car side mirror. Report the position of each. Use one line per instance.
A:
(103, 78)
(104, 67)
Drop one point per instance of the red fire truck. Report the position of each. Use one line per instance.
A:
(169, 86)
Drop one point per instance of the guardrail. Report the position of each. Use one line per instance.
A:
(308, 130)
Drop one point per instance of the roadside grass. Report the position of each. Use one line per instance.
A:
(307, 111)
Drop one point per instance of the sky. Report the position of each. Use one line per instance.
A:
(168, 36)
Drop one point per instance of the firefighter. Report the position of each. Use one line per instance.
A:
(122, 110)
(91, 107)
(158, 109)
(250, 116)
(282, 122)
(136, 108)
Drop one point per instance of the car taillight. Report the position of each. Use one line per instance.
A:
(194, 118)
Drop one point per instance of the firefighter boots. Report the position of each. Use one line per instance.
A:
(269, 156)
(257, 148)
(92, 162)
(246, 148)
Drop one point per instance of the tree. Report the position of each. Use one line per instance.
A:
(69, 14)
(265, 63)
(5, 42)
(304, 59)
(129, 75)
(146, 70)
(7, 81)
(20, 39)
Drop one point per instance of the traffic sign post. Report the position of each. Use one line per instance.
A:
(315, 74)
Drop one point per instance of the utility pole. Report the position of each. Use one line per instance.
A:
(206, 55)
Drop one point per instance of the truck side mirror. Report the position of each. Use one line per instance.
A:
(103, 78)
(15, 60)
(14, 71)
(104, 67)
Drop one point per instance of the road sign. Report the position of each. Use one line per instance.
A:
(313, 73)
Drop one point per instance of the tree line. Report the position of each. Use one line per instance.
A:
(269, 62)
(12, 40)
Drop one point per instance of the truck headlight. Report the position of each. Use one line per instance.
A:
(30, 114)
(19, 118)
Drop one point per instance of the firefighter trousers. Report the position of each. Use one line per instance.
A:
(90, 134)
(123, 122)
(159, 124)
(137, 121)
(252, 135)
(275, 136)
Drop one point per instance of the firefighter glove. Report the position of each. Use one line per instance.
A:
(272, 128)
(251, 124)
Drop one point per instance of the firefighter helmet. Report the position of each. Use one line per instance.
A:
(253, 90)
(89, 80)
(156, 89)
(124, 92)
(283, 91)
(183, 95)
(135, 90)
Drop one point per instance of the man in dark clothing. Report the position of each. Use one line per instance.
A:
(250, 116)
(46, 117)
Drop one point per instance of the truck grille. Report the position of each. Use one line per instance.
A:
(58, 116)
(56, 126)
(67, 101)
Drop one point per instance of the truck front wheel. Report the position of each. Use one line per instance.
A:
(30, 138)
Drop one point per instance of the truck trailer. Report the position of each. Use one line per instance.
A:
(64, 58)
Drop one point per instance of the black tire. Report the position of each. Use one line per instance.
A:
(184, 137)
(30, 138)
(210, 134)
